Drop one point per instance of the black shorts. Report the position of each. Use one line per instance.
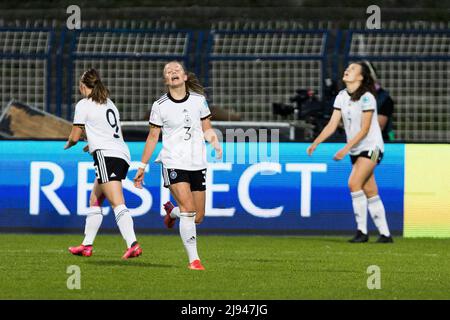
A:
(197, 179)
(109, 168)
(374, 155)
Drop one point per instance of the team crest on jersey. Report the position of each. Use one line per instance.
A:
(173, 175)
(187, 120)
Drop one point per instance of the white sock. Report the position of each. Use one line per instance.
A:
(188, 235)
(93, 221)
(175, 213)
(378, 214)
(359, 201)
(125, 224)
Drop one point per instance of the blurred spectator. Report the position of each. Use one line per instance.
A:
(222, 114)
(385, 107)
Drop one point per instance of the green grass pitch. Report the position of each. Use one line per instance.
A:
(237, 267)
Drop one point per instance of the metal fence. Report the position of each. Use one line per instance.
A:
(130, 63)
(414, 66)
(25, 66)
(247, 71)
(244, 71)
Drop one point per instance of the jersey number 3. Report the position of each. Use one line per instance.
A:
(187, 135)
(113, 122)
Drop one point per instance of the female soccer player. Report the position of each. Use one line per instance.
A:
(182, 114)
(97, 115)
(357, 106)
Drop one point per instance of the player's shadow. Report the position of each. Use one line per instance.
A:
(131, 264)
(330, 240)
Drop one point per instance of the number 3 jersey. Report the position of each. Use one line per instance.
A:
(182, 134)
(351, 112)
(102, 127)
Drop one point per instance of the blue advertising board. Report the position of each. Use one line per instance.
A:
(255, 187)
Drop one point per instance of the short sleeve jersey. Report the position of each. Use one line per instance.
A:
(183, 142)
(352, 117)
(102, 126)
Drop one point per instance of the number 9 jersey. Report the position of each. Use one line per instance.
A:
(102, 126)
(182, 133)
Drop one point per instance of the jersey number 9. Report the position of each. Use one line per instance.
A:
(113, 123)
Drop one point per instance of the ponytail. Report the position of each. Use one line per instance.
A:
(193, 84)
(99, 93)
(91, 79)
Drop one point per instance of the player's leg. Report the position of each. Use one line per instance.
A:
(112, 172)
(376, 209)
(172, 212)
(361, 171)
(198, 188)
(114, 193)
(181, 191)
(199, 201)
(94, 219)
(197, 180)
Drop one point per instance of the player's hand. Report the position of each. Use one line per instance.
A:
(340, 154)
(218, 152)
(139, 178)
(311, 149)
(86, 148)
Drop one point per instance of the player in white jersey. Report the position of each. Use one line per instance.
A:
(98, 117)
(357, 107)
(182, 114)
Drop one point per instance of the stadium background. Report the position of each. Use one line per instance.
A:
(249, 56)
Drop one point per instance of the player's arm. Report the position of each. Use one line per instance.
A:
(382, 120)
(386, 110)
(211, 136)
(150, 145)
(74, 137)
(365, 127)
(327, 131)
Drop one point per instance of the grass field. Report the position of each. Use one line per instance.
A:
(238, 267)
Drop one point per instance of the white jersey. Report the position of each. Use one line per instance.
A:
(102, 126)
(352, 117)
(182, 134)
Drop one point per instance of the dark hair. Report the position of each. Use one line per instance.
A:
(91, 79)
(192, 83)
(367, 84)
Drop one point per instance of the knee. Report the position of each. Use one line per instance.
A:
(94, 203)
(354, 185)
(187, 207)
(370, 193)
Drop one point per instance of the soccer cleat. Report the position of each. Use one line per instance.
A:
(384, 239)
(196, 265)
(359, 238)
(81, 250)
(168, 220)
(133, 252)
